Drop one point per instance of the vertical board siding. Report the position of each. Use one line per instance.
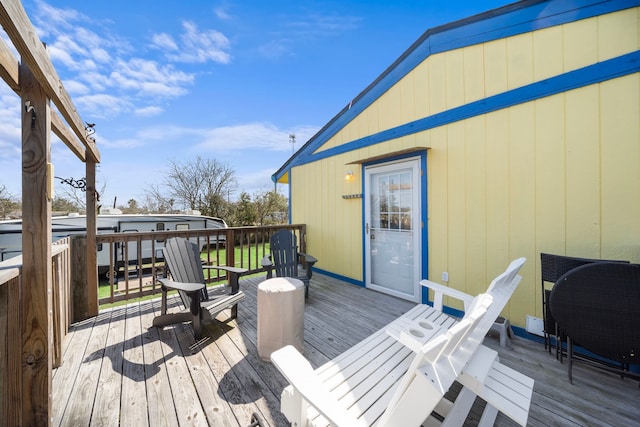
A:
(498, 188)
(474, 78)
(560, 174)
(454, 76)
(547, 53)
(617, 33)
(582, 176)
(456, 209)
(620, 155)
(476, 202)
(437, 204)
(585, 35)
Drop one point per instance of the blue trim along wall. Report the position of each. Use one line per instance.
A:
(339, 277)
(518, 18)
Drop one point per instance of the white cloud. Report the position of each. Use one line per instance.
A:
(148, 111)
(49, 17)
(222, 14)
(102, 105)
(108, 73)
(253, 135)
(10, 131)
(275, 49)
(147, 78)
(322, 25)
(247, 136)
(75, 87)
(164, 41)
(196, 45)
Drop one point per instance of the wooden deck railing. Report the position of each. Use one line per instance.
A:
(10, 306)
(130, 263)
(239, 246)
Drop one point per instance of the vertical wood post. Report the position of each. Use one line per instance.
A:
(80, 299)
(35, 313)
(230, 248)
(92, 255)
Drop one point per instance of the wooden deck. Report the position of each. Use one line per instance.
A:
(119, 371)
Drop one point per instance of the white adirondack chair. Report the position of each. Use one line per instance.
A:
(408, 395)
(367, 385)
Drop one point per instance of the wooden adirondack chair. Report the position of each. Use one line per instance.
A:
(182, 257)
(284, 259)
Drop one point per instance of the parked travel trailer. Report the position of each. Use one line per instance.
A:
(112, 222)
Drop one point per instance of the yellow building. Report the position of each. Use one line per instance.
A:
(506, 134)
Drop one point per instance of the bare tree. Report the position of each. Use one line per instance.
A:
(157, 201)
(7, 202)
(198, 183)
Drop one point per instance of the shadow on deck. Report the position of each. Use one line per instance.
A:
(118, 370)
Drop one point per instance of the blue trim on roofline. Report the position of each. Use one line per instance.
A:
(592, 74)
(507, 21)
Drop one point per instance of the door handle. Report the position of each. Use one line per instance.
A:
(366, 228)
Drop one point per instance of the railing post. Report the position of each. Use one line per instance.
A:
(230, 244)
(11, 399)
(85, 302)
(303, 238)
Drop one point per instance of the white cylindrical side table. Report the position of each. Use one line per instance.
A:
(280, 315)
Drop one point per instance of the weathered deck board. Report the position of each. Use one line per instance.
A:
(119, 371)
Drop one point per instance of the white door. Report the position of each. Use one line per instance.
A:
(392, 228)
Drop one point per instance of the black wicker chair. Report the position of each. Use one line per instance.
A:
(553, 267)
(598, 307)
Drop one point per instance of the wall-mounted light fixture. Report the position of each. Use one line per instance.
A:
(348, 176)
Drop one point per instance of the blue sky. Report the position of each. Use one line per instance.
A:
(230, 80)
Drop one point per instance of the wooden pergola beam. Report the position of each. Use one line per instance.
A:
(18, 27)
(9, 66)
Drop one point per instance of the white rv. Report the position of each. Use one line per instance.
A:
(112, 222)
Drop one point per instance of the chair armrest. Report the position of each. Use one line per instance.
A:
(309, 261)
(232, 270)
(181, 286)
(234, 275)
(266, 262)
(267, 265)
(307, 258)
(298, 371)
(440, 290)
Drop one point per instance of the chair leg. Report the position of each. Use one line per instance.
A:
(195, 314)
(570, 358)
(163, 301)
(234, 311)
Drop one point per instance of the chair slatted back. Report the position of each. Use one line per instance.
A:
(501, 289)
(465, 339)
(284, 253)
(440, 361)
(183, 259)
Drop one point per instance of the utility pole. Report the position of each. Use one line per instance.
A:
(292, 140)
